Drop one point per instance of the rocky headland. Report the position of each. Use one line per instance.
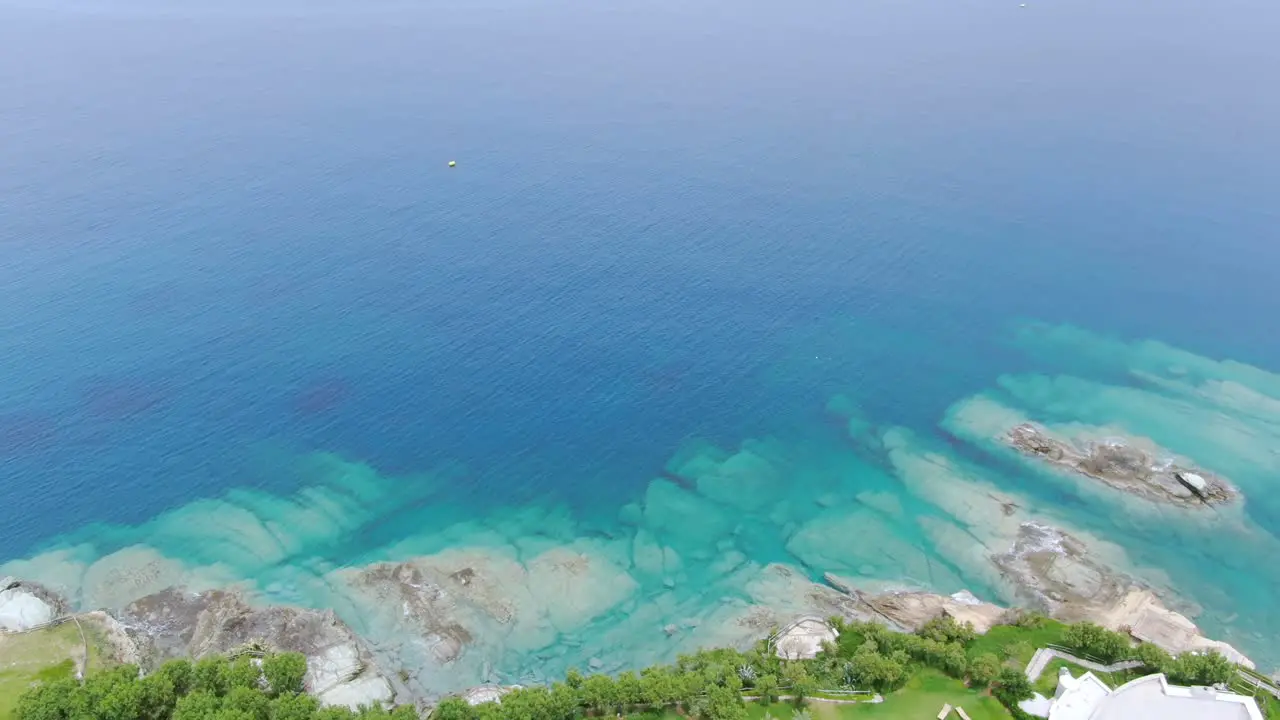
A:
(1125, 465)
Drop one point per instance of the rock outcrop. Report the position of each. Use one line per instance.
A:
(175, 623)
(487, 693)
(1125, 466)
(1056, 573)
(25, 605)
(908, 610)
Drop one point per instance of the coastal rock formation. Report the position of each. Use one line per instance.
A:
(1056, 572)
(176, 623)
(908, 610)
(487, 693)
(26, 605)
(1126, 466)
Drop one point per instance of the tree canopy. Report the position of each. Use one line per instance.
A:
(209, 689)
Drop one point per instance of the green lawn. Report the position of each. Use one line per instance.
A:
(1028, 640)
(32, 657)
(921, 699)
(45, 655)
(1048, 681)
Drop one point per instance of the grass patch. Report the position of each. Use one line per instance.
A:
(1003, 640)
(779, 710)
(33, 657)
(1270, 705)
(47, 655)
(666, 714)
(1048, 680)
(922, 697)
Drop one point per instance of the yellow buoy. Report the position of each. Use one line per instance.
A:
(453, 163)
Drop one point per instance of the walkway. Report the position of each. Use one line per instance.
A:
(1046, 655)
(1260, 684)
(873, 699)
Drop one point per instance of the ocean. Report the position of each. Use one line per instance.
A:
(254, 329)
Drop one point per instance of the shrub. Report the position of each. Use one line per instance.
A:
(1019, 649)
(1208, 668)
(983, 669)
(1012, 687)
(1152, 657)
(284, 673)
(1099, 642)
(945, 629)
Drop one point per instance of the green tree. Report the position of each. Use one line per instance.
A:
(800, 684)
(334, 713)
(180, 673)
(1012, 686)
(122, 702)
(198, 705)
(294, 707)
(983, 669)
(562, 702)
(532, 703)
(875, 671)
(573, 678)
(158, 697)
(767, 688)
(1099, 642)
(453, 708)
(1206, 668)
(600, 693)
(945, 629)
(284, 672)
(1152, 657)
(241, 673)
(630, 689)
(250, 701)
(209, 675)
(48, 701)
(1029, 619)
(723, 703)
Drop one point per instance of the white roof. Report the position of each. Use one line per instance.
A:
(1153, 697)
(1147, 698)
(1077, 698)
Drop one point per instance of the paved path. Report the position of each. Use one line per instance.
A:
(1044, 656)
(877, 698)
(1260, 684)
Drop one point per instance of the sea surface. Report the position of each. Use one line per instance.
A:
(744, 283)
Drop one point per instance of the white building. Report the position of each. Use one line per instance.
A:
(1147, 698)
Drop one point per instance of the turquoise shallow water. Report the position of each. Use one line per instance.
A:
(711, 288)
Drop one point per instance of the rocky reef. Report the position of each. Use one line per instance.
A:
(1126, 466)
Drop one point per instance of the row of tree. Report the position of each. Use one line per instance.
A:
(710, 684)
(1189, 668)
(210, 689)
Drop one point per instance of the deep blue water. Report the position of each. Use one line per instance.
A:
(230, 236)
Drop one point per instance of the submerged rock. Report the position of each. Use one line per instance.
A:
(1125, 466)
